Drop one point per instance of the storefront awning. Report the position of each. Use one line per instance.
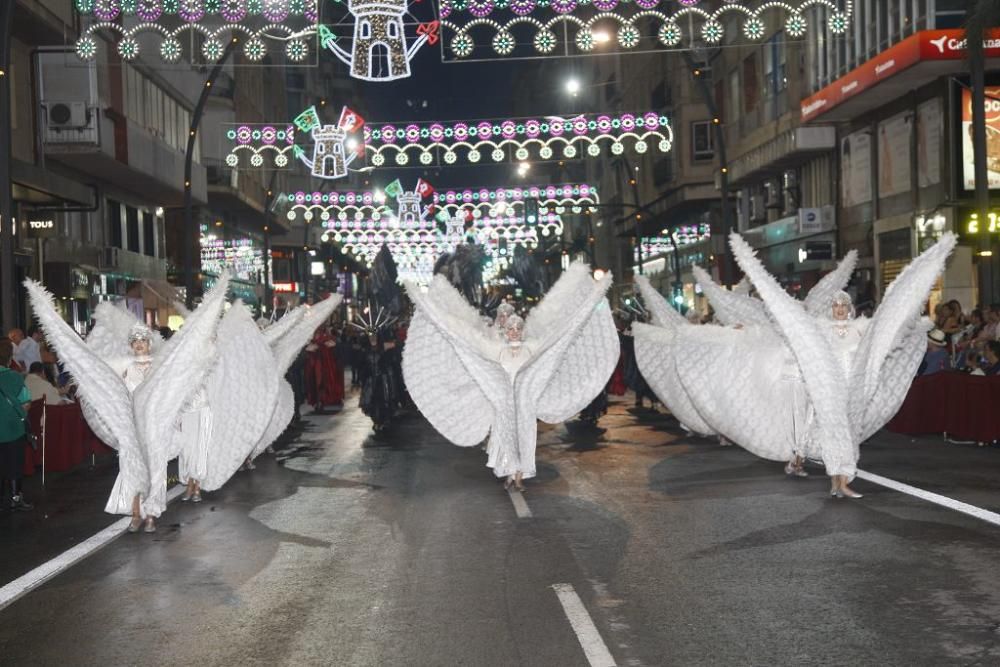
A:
(36, 186)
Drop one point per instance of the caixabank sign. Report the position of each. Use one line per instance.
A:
(926, 45)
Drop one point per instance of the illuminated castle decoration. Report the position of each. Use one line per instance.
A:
(410, 213)
(329, 159)
(379, 50)
(332, 153)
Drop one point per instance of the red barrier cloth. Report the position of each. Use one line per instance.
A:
(963, 406)
(33, 459)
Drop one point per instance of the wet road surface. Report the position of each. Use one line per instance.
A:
(401, 549)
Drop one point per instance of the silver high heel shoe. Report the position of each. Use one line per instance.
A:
(135, 525)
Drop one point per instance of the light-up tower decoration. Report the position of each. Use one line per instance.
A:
(328, 159)
(380, 48)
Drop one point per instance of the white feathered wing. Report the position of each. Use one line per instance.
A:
(656, 351)
(241, 395)
(893, 345)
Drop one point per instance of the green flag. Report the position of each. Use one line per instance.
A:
(307, 120)
(394, 189)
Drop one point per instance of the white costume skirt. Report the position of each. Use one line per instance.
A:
(195, 434)
(131, 481)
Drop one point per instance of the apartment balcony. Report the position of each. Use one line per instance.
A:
(788, 149)
(113, 149)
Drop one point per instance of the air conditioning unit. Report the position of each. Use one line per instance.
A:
(758, 211)
(66, 115)
(109, 259)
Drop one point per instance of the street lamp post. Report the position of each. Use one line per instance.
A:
(190, 231)
(8, 291)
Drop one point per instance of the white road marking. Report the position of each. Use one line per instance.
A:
(590, 640)
(32, 580)
(520, 505)
(937, 499)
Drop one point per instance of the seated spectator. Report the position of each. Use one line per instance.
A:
(992, 358)
(936, 358)
(972, 365)
(40, 387)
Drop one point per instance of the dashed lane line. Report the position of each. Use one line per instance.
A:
(590, 639)
(520, 504)
(35, 578)
(937, 499)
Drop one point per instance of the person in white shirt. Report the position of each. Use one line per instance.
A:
(40, 387)
(26, 350)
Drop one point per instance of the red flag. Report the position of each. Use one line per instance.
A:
(424, 189)
(350, 120)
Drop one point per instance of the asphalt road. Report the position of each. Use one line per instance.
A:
(401, 549)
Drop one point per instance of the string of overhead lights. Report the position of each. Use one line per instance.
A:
(448, 141)
(580, 23)
(216, 22)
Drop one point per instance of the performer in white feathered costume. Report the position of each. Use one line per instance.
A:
(854, 373)
(470, 385)
(773, 364)
(131, 399)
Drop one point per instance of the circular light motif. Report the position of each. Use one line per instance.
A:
(593, 150)
(128, 48)
(563, 6)
(605, 5)
(232, 160)
(402, 158)
(569, 151)
(307, 216)
(545, 153)
(521, 153)
(149, 10)
(664, 145)
(85, 6)
(617, 148)
(838, 23)
(281, 160)
(628, 37)
(647, 4)
(170, 50)
(480, 8)
(378, 159)
(474, 155)
(669, 34)
(191, 11)
(545, 41)
(233, 11)
(795, 25)
(462, 45)
(212, 49)
(584, 39)
(86, 48)
(107, 10)
(641, 146)
(297, 50)
(275, 11)
(257, 160)
(255, 49)
(497, 155)
(522, 7)
(290, 215)
(450, 157)
(426, 158)
(503, 43)
(753, 28)
(712, 32)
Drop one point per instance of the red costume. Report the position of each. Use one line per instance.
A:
(324, 376)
